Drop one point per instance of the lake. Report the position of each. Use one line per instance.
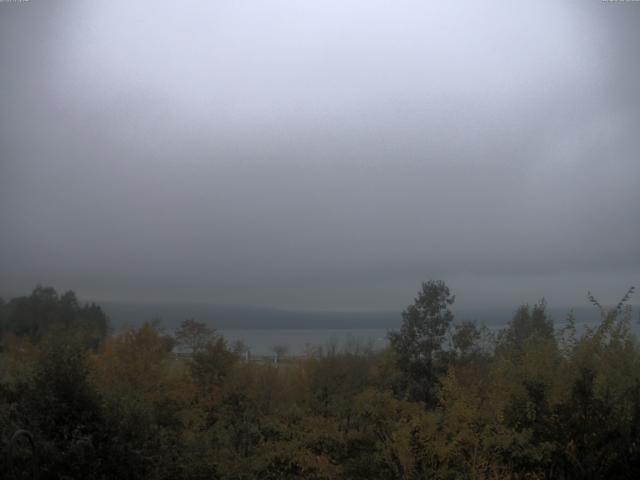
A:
(262, 328)
(297, 341)
(261, 342)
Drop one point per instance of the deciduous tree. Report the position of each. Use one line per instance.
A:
(418, 344)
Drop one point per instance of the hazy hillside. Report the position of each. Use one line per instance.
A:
(241, 317)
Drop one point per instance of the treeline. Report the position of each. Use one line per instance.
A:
(45, 313)
(445, 400)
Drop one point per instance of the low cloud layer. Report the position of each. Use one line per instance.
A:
(320, 155)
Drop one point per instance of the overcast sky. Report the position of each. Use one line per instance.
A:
(326, 154)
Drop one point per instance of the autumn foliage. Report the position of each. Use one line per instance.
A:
(447, 399)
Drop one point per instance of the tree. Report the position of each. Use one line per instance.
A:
(280, 351)
(45, 312)
(63, 410)
(527, 322)
(3, 320)
(466, 341)
(418, 344)
(211, 363)
(241, 349)
(193, 335)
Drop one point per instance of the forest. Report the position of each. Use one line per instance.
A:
(447, 399)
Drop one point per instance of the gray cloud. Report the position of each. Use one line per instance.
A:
(320, 154)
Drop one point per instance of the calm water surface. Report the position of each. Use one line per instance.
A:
(261, 342)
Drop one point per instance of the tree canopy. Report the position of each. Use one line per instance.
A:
(446, 399)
